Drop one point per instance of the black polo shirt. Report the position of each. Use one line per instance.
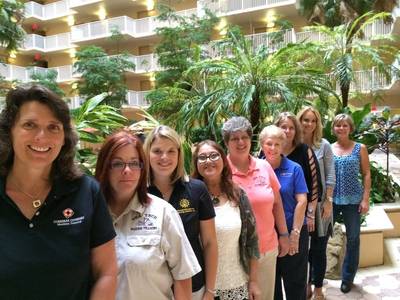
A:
(48, 257)
(193, 203)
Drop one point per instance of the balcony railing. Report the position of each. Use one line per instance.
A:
(144, 63)
(137, 98)
(47, 43)
(75, 3)
(221, 7)
(48, 11)
(124, 24)
(23, 74)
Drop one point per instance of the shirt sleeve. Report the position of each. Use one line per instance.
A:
(329, 165)
(206, 207)
(102, 229)
(179, 254)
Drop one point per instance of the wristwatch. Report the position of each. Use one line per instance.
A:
(310, 210)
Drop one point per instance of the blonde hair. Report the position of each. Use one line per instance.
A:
(166, 132)
(271, 131)
(343, 118)
(317, 134)
(290, 116)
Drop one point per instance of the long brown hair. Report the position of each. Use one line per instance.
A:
(112, 144)
(228, 187)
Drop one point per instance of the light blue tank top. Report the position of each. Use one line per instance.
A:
(348, 189)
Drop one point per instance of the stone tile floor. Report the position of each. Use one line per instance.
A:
(373, 283)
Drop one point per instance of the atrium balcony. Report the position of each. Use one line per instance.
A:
(51, 43)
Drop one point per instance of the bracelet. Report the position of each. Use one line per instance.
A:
(296, 231)
(310, 217)
(284, 234)
(330, 199)
(211, 291)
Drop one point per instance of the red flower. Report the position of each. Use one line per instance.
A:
(37, 56)
(34, 27)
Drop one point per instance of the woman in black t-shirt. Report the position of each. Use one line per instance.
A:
(190, 197)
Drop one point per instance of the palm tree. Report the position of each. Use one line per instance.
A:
(246, 81)
(343, 51)
(332, 13)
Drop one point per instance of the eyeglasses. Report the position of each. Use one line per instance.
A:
(121, 165)
(244, 138)
(213, 156)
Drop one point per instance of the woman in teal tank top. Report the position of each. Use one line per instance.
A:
(351, 195)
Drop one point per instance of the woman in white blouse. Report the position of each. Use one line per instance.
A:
(152, 249)
(235, 225)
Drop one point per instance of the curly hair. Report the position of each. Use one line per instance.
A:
(64, 165)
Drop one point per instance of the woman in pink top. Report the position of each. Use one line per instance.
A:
(258, 180)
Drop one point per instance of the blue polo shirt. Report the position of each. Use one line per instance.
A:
(291, 178)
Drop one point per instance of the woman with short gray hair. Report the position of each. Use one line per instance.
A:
(258, 180)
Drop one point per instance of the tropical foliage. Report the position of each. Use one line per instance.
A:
(94, 121)
(343, 51)
(333, 13)
(47, 79)
(11, 31)
(102, 73)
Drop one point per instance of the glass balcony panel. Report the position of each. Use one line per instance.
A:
(98, 28)
(5, 71)
(19, 73)
(143, 26)
(116, 24)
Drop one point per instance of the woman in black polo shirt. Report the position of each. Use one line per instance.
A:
(168, 180)
(56, 235)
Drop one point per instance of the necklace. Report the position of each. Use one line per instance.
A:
(215, 199)
(36, 202)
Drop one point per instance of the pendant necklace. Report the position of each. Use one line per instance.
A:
(215, 199)
(36, 202)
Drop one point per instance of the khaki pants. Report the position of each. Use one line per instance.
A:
(266, 274)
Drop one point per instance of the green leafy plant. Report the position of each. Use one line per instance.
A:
(94, 121)
(103, 73)
(11, 32)
(47, 79)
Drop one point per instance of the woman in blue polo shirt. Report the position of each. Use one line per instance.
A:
(56, 235)
(292, 268)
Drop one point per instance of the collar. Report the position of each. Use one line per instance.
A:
(134, 206)
(252, 166)
(284, 163)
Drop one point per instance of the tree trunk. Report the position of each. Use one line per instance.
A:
(255, 117)
(345, 89)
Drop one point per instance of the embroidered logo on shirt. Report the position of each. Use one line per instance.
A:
(260, 180)
(184, 203)
(68, 213)
(146, 223)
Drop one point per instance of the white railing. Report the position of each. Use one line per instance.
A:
(273, 40)
(144, 63)
(47, 43)
(137, 98)
(124, 24)
(48, 11)
(23, 74)
(75, 102)
(75, 3)
(221, 7)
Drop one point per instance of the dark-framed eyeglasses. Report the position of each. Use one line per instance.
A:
(213, 156)
(121, 165)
